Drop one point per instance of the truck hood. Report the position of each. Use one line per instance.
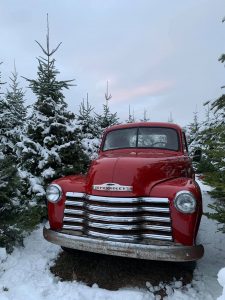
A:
(140, 171)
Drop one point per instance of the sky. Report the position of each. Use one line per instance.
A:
(159, 56)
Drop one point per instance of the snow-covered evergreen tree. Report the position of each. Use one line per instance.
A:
(18, 214)
(3, 116)
(85, 117)
(15, 99)
(13, 123)
(107, 118)
(12, 115)
(131, 118)
(212, 165)
(193, 128)
(170, 119)
(53, 147)
(212, 138)
(88, 128)
(145, 117)
(1, 83)
(8, 198)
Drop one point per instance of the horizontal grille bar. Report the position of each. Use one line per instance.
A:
(128, 227)
(113, 226)
(72, 227)
(74, 219)
(74, 203)
(128, 200)
(75, 195)
(118, 226)
(127, 219)
(73, 211)
(126, 209)
(117, 237)
(157, 237)
(128, 237)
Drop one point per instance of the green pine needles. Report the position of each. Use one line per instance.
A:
(54, 141)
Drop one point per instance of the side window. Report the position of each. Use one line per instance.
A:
(184, 141)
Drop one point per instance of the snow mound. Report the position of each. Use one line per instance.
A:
(204, 187)
(3, 254)
(221, 280)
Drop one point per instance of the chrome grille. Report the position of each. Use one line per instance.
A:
(122, 219)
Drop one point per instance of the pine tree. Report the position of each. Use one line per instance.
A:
(131, 118)
(88, 129)
(3, 117)
(207, 113)
(15, 99)
(170, 119)
(145, 118)
(85, 117)
(53, 147)
(107, 118)
(213, 139)
(8, 199)
(193, 128)
(219, 104)
(13, 115)
(1, 83)
(19, 215)
(12, 123)
(7, 173)
(12, 203)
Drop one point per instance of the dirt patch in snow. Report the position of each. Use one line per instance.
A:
(112, 273)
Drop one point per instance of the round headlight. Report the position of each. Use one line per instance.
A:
(53, 193)
(185, 202)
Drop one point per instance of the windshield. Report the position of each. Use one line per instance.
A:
(143, 137)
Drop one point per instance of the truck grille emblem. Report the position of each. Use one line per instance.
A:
(112, 187)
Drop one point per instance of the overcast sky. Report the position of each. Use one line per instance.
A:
(157, 55)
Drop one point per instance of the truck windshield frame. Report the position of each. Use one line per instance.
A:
(146, 137)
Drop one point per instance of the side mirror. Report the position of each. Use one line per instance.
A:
(197, 155)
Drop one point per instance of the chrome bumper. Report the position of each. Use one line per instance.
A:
(174, 252)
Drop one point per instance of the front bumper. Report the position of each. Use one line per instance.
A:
(174, 252)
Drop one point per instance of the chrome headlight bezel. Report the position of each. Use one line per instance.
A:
(180, 203)
(53, 193)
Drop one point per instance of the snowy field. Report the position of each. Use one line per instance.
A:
(25, 275)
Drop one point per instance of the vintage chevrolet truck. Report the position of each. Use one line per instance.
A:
(138, 199)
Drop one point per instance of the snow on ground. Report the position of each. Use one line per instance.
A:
(214, 244)
(3, 254)
(25, 273)
(203, 186)
(221, 280)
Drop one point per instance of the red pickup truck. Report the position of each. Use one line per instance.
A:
(138, 199)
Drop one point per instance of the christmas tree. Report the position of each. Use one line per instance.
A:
(53, 145)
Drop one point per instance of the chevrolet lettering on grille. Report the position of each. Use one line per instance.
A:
(112, 187)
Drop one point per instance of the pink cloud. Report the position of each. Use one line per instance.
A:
(151, 89)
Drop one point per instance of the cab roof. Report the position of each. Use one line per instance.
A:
(144, 124)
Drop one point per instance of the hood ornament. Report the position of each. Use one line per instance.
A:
(112, 187)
